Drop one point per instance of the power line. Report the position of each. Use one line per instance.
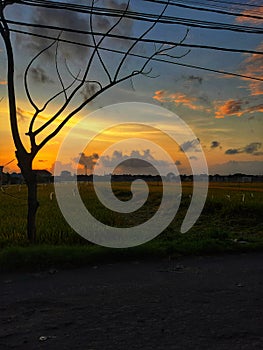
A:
(177, 4)
(208, 4)
(162, 42)
(145, 17)
(233, 3)
(140, 56)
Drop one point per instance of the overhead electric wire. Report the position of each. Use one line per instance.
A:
(251, 11)
(118, 36)
(81, 7)
(234, 3)
(235, 14)
(215, 6)
(140, 56)
(222, 6)
(145, 17)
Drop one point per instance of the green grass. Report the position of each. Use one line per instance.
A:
(225, 220)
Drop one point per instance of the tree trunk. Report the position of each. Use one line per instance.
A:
(32, 207)
(24, 158)
(25, 164)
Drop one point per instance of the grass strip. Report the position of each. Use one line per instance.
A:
(41, 257)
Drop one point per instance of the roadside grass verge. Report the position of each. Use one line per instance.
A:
(42, 257)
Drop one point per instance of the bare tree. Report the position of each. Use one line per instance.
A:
(79, 81)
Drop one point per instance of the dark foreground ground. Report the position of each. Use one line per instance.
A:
(191, 303)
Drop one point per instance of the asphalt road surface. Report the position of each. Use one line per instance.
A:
(190, 303)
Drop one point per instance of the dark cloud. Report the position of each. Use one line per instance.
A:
(190, 146)
(62, 19)
(178, 162)
(126, 25)
(232, 151)
(135, 167)
(89, 90)
(42, 161)
(214, 144)
(252, 148)
(193, 158)
(134, 156)
(195, 78)
(134, 163)
(39, 75)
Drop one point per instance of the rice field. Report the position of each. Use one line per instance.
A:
(232, 211)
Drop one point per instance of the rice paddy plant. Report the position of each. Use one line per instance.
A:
(231, 211)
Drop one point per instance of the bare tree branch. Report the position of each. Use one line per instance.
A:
(97, 47)
(38, 110)
(95, 44)
(57, 70)
(82, 82)
(77, 79)
(137, 41)
(30, 132)
(27, 71)
(163, 51)
(4, 31)
(80, 107)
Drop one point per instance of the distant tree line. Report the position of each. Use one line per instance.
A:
(44, 176)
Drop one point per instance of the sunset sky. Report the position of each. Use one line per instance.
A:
(224, 112)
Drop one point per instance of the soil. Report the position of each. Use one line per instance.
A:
(189, 303)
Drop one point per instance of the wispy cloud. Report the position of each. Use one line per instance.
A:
(258, 11)
(39, 75)
(253, 66)
(22, 114)
(178, 98)
(235, 108)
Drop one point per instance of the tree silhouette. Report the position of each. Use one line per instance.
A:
(81, 83)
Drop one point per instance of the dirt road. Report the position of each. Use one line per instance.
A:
(191, 303)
